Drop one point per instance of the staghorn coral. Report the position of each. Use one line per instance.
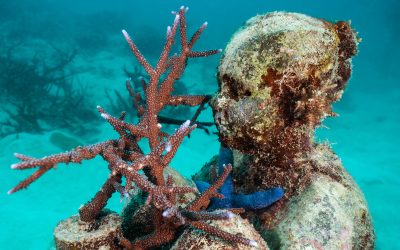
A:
(126, 158)
(135, 87)
(139, 104)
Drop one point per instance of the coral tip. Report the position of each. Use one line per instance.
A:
(253, 243)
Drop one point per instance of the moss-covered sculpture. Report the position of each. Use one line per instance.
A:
(278, 77)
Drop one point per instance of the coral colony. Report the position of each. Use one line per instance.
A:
(125, 158)
(256, 200)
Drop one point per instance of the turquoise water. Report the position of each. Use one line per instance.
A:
(365, 135)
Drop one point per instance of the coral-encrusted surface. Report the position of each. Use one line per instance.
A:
(278, 77)
(193, 239)
(70, 234)
(279, 70)
(327, 215)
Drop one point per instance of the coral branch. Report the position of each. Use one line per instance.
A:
(197, 35)
(204, 199)
(48, 162)
(204, 53)
(120, 126)
(25, 183)
(188, 100)
(92, 209)
(142, 60)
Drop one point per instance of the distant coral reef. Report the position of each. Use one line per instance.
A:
(39, 91)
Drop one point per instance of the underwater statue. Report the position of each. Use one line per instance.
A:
(276, 188)
(278, 77)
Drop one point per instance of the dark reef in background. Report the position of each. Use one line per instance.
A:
(38, 93)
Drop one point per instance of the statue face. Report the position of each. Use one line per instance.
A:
(280, 71)
(243, 121)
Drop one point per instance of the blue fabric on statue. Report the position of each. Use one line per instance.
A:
(256, 200)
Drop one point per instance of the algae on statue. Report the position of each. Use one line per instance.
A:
(278, 77)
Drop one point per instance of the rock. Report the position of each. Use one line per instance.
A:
(193, 239)
(72, 234)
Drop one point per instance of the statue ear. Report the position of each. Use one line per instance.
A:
(348, 43)
(348, 40)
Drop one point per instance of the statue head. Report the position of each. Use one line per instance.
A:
(278, 77)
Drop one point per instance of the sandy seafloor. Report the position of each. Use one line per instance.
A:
(365, 135)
